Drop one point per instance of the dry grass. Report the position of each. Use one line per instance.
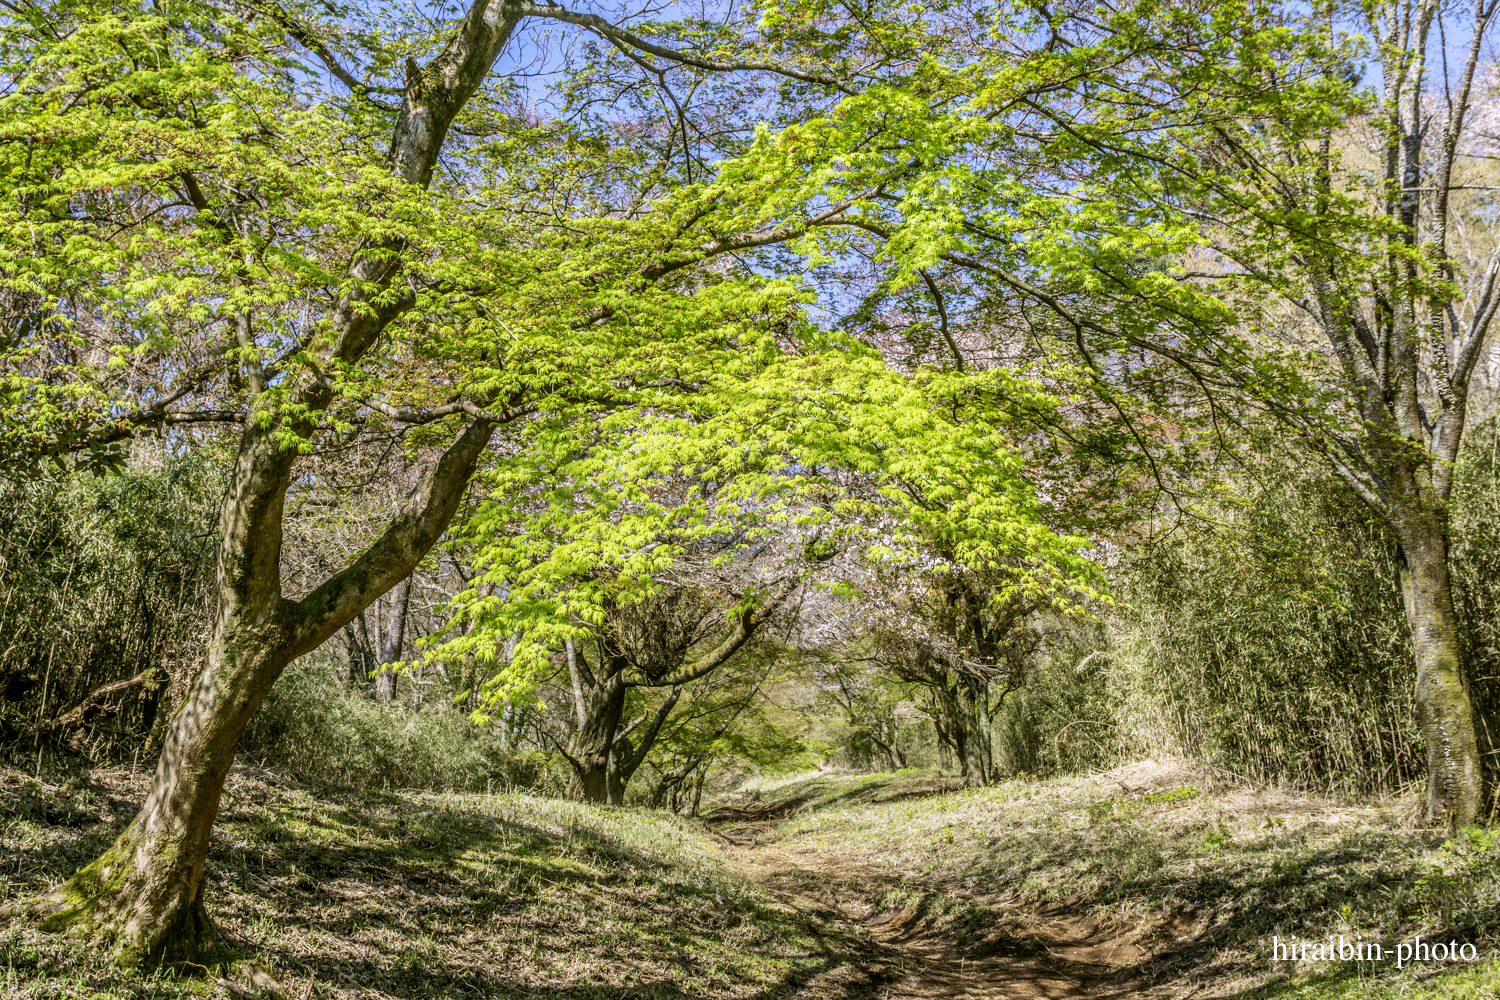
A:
(1152, 880)
(357, 894)
(1192, 871)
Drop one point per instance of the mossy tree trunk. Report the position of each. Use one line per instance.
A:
(145, 893)
(592, 744)
(1444, 712)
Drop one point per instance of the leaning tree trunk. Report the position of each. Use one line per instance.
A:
(144, 894)
(898, 759)
(1444, 712)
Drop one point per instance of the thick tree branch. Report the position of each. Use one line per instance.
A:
(305, 37)
(95, 700)
(746, 623)
(392, 557)
(627, 770)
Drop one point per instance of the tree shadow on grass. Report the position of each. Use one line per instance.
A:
(1203, 914)
(344, 893)
(446, 899)
(827, 792)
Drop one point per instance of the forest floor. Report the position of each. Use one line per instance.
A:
(1150, 881)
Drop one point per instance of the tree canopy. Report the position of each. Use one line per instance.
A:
(658, 354)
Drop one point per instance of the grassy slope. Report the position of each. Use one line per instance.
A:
(341, 894)
(783, 797)
(1205, 880)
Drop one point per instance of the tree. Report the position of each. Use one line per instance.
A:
(642, 577)
(646, 644)
(206, 236)
(212, 240)
(869, 704)
(968, 648)
(1204, 207)
(395, 642)
(639, 534)
(722, 724)
(1291, 183)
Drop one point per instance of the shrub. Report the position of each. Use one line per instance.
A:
(104, 576)
(1274, 643)
(313, 725)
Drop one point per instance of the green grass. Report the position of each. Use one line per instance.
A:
(1481, 982)
(337, 893)
(1203, 874)
(342, 893)
(786, 796)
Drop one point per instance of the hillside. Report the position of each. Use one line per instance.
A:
(1151, 880)
(337, 894)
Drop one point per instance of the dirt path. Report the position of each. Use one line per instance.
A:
(1032, 956)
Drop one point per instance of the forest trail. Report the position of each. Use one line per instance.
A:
(1048, 954)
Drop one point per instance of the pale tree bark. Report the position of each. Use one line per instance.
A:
(1445, 714)
(579, 706)
(395, 642)
(1403, 464)
(1404, 345)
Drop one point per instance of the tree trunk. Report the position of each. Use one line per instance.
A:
(614, 782)
(395, 642)
(698, 792)
(144, 893)
(898, 759)
(984, 735)
(887, 742)
(960, 736)
(361, 660)
(628, 762)
(579, 706)
(1444, 712)
(596, 738)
